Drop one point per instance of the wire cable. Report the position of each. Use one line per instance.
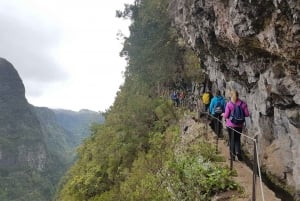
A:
(256, 147)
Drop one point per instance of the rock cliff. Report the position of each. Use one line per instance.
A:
(23, 152)
(253, 46)
(36, 143)
(19, 124)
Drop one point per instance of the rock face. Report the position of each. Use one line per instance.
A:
(18, 124)
(253, 46)
(34, 152)
(36, 143)
(22, 146)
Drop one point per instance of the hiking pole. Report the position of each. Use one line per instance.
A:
(217, 132)
(207, 120)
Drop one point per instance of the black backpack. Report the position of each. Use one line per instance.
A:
(237, 116)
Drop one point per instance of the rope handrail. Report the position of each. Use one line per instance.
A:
(255, 147)
(253, 139)
(259, 173)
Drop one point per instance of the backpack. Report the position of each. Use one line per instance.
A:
(219, 108)
(174, 96)
(206, 98)
(237, 116)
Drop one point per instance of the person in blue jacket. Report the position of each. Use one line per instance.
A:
(216, 108)
(175, 98)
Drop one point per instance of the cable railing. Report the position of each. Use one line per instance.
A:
(218, 127)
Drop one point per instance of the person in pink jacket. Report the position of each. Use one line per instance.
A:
(234, 130)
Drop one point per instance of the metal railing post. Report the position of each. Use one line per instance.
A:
(217, 132)
(254, 169)
(207, 120)
(231, 143)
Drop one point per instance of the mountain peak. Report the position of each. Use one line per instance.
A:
(10, 81)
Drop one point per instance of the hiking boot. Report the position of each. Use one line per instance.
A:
(233, 157)
(239, 157)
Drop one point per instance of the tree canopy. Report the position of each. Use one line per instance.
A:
(130, 156)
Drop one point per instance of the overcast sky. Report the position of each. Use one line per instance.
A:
(65, 51)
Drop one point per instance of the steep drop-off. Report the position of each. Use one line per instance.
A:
(23, 152)
(77, 124)
(254, 47)
(36, 147)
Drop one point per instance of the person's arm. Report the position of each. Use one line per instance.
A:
(211, 106)
(224, 104)
(227, 111)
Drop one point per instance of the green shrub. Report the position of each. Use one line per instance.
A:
(191, 178)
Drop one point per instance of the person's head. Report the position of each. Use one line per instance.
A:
(218, 93)
(234, 95)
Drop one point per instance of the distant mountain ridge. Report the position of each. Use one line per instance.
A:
(36, 143)
(77, 123)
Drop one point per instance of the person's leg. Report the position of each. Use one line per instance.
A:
(216, 126)
(229, 137)
(174, 102)
(213, 124)
(231, 143)
(237, 142)
(220, 126)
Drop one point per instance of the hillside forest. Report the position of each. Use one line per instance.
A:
(132, 156)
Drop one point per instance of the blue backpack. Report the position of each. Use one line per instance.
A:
(237, 116)
(218, 108)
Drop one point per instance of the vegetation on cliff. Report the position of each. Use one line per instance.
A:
(35, 151)
(132, 156)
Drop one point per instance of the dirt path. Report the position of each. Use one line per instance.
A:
(193, 129)
(245, 178)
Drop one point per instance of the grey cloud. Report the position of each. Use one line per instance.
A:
(35, 89)
(27, 45)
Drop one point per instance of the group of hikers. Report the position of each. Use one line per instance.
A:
(184, 98)
(177, 98)
(233, 111)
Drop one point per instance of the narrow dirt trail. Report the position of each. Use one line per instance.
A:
(191, 130)
(245, 178)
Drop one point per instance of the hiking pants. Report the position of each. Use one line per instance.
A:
(217, 125)
(206, 106)
(235, 140)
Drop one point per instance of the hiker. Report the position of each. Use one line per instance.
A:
(181, 97)
(206, 97)
(234, 108)
(175, 98)
(216, 108)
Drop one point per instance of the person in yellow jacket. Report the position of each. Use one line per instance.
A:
(206, 97)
